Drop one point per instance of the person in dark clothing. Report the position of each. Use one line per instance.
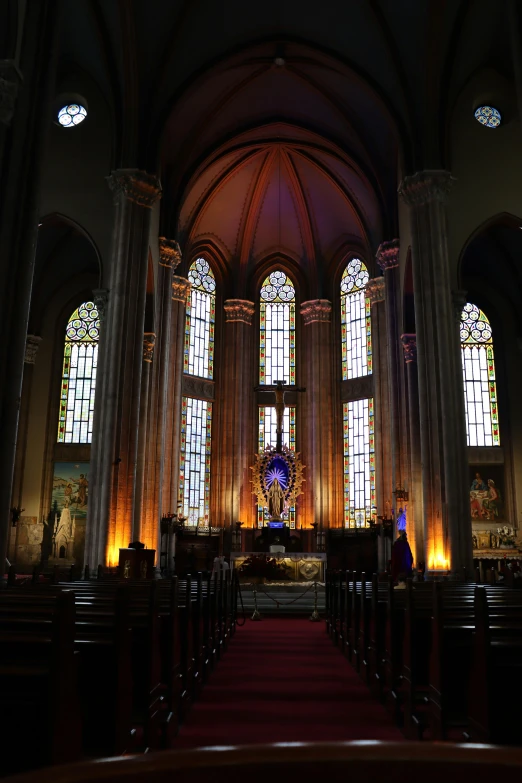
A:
(401, 557)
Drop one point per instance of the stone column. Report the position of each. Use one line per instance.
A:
(180, 291)
(375, 291)
(447, 528)
(115, 437)
(323, 461)
(31, 349)
(139, 527)
(158, 461)
(414, 518)
(388, 260)
(25, 116)
(236, 449)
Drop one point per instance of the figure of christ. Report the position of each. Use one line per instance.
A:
(279, 389)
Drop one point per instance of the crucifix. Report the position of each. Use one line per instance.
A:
(278, 388)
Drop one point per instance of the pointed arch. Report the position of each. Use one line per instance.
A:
(478, 369)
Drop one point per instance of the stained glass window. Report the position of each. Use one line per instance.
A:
(478, 368)
(72, 115)
(277, 330)
(488, 116)
(359, 463)
(199, 323)
(80, 359)
(356, 332)
(194, 468)
(267, 437)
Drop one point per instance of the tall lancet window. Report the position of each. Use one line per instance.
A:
(199, 323)
(80, 359)
(356, 330)
(478, 368)
(277, 330)
(196, 414)
(276, 362)
(358, 419)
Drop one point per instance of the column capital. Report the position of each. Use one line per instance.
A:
(149, 341)
(375, 289)
(180, 289)
(32, 343)
(100, 297)
(316, 311)
(426, 186)
(387, 255)
(10, 80)
(409, 345)
(135, 185)
(170, 252)
(239, 310)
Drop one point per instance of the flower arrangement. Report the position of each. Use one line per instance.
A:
(506, 537)
(263, 567)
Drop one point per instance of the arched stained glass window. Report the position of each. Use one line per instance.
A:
(478, 368)
(80, 359)
(196, 415)
(277, 330)
(199, 323)
(356, 333)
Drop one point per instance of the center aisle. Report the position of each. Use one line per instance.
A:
(282, 680)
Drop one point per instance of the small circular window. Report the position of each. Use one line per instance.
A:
(488, 116)
(71, 115)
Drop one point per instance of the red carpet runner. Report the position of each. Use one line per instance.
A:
(283, 680)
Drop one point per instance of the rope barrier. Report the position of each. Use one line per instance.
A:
(287, 603)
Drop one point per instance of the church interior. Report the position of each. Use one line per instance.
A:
(260, 435)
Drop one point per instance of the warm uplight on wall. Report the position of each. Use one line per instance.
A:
(438, 562)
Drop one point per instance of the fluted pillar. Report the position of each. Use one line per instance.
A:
(180, 292)
(139, 523)
(25, 117)
(234, 497)
(158, 459)
(375, 291)
(323, 486)
(415, 526)
(447, 527)
(388, 260)
(116, 426)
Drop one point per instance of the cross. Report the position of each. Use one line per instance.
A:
(279, 388)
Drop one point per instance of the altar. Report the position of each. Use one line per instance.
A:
(298, 566)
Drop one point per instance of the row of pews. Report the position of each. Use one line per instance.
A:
(104, 667)
(444, 657)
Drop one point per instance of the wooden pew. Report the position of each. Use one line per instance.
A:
(38, 685)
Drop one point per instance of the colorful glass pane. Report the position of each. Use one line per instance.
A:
(194, 464)
(356, 330)
(359, 463)
(277, 330)
(478, 369)
(198, 356)
(488, 116)
(267, 437)
(80, 360)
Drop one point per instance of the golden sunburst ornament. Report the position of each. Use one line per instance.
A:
(286, 467)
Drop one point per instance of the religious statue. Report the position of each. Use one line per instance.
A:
(276, 499)
(401, 520)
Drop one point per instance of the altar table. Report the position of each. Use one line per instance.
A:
(302, 566)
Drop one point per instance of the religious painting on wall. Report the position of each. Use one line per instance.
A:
(486, 493)
(69, 510)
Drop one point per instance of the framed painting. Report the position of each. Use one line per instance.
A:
(486, 493)
(71, 488)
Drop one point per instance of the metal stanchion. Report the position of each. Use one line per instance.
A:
(256, 615)
(314, 618)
